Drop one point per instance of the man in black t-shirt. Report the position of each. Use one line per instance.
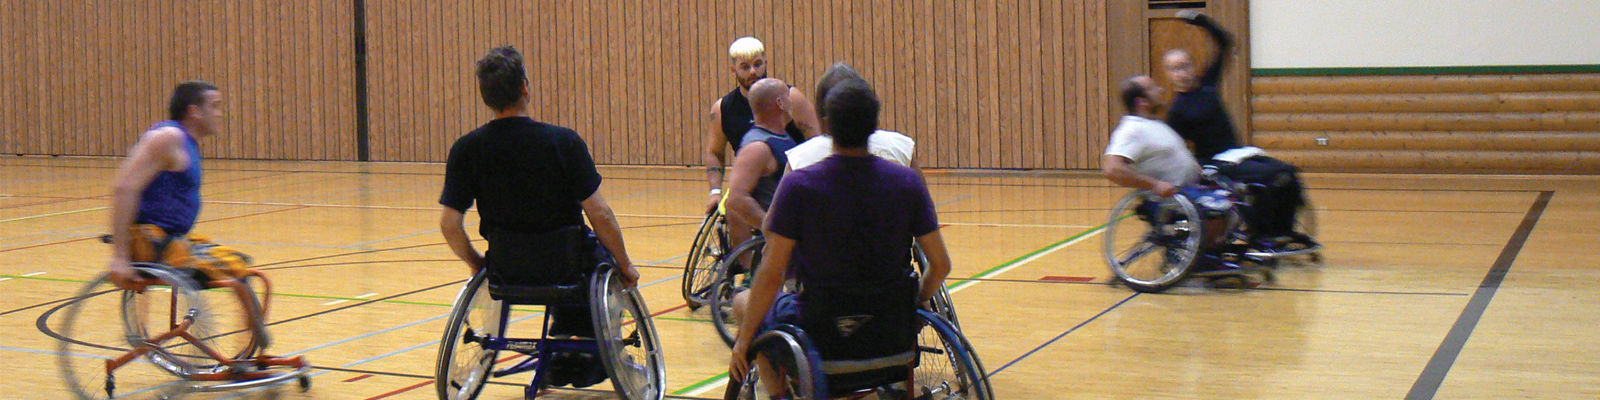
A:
(533, 184)
(1198, 114)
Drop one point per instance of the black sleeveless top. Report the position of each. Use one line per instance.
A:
(737, 118)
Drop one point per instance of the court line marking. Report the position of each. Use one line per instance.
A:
(710, 383)
(54, 214)
(1074, 328)
(963, 283)
(97, 236)
(1432, 376)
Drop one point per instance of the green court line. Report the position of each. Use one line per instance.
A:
(701, 384)
(948, 284)
(952, 283)
(297, 295)
(52, 214)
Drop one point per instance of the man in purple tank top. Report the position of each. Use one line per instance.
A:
(159, 184)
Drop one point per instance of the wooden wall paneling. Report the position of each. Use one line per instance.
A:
(399, 35)
(646, 107)
(599, 128)
(1033, 110)
(8, 28)
(584, 57)
(1056, 93)
(380, 79)
(944, 82)
(965, 144)
(1094, 42)
(256, 127)
(1009, 88)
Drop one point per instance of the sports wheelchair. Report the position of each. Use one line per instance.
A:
(942, 365)
(181, 332)
(700, 270)
(728, 282)
(1153, 243)
(625, 338)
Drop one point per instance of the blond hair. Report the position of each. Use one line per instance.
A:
(746, 47)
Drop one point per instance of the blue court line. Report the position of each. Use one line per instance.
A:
(1063, 334)
(365, 335)
(952, 200)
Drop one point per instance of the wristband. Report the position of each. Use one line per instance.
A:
(715, 192)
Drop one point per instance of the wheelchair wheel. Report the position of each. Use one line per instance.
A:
(787, 355)
(1305, 222)
(721, 299)
(948, 368)
(699, 271)
(464, 364)
(941, 302)
(627, 338)
(1151, 253)
(89, 343)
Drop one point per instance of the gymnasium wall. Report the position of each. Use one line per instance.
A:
(86, 77)
(1001, 84)
(1487, 86)
(1387, 33)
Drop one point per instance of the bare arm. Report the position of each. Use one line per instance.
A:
(455, 234)
(765, 287)
(716, 146)
(715, 154)
(752, 162)
(804, 114)
(1120, 171)
(154, 153)
(1220, 37)
(938, 264)
(610, 233)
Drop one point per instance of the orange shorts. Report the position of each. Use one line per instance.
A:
(150, 243)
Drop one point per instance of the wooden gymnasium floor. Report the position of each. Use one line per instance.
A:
(1459, 286)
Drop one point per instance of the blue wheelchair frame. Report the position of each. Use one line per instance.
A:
(542, 350)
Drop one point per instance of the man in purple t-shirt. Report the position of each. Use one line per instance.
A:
(846, 224)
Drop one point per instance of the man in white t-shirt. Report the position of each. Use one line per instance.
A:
(1144, 152)
(889, 145)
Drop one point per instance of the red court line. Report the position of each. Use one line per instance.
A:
(363, 376)
(1056, 278)
(402, 390)
(204, 220)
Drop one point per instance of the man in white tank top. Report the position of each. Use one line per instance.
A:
(889, 145)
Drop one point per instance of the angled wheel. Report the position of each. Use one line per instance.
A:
(1153, 250)
(627, 338)
(783, 354)
(941, 302)
(728, 284)
(1305, 222)
(948, 367)
(464, 363)
(89, 344)
(699, 271)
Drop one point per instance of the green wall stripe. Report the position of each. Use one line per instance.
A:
(1478, 69)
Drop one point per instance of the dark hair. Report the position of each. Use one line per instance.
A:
(501, 76)
(191, 93)
(838, 72)
(1132, 91)
(854, 110)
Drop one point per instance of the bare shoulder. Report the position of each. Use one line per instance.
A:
(163, 137)
(716, 108)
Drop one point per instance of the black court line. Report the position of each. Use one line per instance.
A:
(1002, 368)
(406, 375)
(1427, 384)
(1333, 291)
